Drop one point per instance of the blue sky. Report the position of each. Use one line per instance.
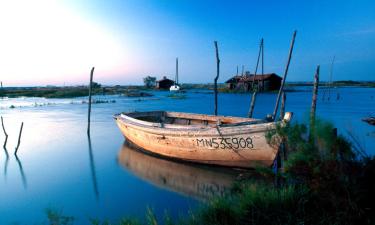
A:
(127, 40)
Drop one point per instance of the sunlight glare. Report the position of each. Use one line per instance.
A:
(44, 41)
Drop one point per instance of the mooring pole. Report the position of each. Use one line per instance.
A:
(253, 97)
(262, 64)
(313, 103)
(217, 74)
(285, 74)
(262, 56)
(5, 133)
(176, 82)
(282, 109)
(19, 139)
(89, 110)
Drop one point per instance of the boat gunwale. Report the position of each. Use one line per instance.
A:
(255, 126)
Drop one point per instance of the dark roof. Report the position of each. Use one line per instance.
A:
(250, 78)
(164, 79)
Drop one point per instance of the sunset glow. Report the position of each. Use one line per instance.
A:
(44, 42)
(58, 41)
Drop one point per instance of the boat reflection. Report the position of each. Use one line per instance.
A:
(199, 182)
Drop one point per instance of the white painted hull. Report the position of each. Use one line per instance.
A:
(241, 144)
(174, 88)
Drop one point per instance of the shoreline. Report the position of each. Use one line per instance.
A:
(142, 91)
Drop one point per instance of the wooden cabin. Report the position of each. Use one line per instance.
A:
(164, 83)
(263, 82)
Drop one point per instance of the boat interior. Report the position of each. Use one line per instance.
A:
(177, 118)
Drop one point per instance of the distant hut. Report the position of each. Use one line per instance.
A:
(263, 82)
(164, 83)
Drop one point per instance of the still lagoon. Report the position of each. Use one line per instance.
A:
(59, 168)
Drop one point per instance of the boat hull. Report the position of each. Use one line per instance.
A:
(234, 146)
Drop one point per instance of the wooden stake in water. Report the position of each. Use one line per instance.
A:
(314, 99)
(284, 77)
(89, 110)
(6, 135)
(282, 109)
(217, 74)
(19, 139)
(253, 98)
(176, 79)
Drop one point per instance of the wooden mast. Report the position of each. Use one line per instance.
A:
(253, 97)
(256, 67)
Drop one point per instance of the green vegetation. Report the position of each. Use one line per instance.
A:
(177, 96)
(55, 92)
(71, 92)
(325, 180)
(150, 82)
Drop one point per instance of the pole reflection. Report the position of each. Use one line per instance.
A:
(92, 169)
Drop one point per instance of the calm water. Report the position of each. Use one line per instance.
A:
(58, 167)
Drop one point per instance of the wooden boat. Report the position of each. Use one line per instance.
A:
(216, 140)
(197, 181)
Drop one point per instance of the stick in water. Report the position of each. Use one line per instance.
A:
(285, 74)
(314, 99)
(89, 110)
(19, 139)
(217, 75)
(282, 109)
(6, 135)
(253, 97)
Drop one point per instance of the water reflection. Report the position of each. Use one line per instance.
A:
(6, 160)
(200, 182)
(6, 163)
(93, 170)
(23, 176)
